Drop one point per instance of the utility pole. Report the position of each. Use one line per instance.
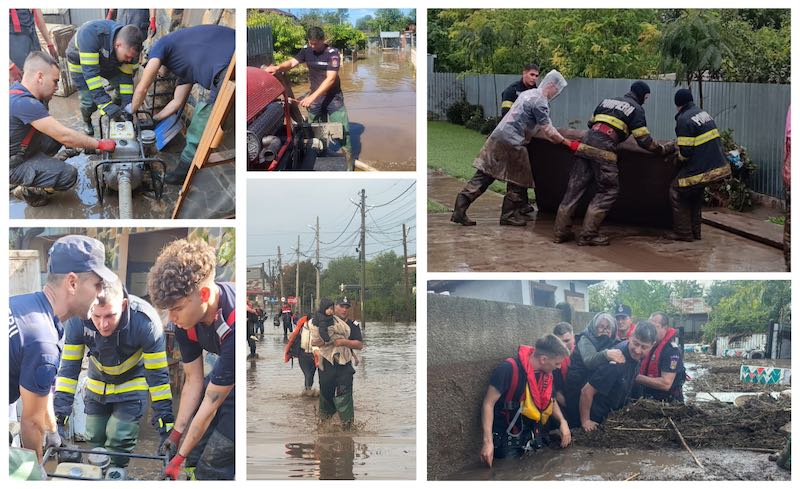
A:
(406, 290)
(363, 255)
(280, 272)
(314, 307)
(297, 273)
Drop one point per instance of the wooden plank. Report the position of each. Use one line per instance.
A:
(755, 229)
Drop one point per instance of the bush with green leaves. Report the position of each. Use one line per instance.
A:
(287, 35)
(489, 124)
(732, 192)
(345, 36)
(455, 113)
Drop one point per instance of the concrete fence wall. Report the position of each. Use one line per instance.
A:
(467, 339)
(755, 111)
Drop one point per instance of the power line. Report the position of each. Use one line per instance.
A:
(397, 197)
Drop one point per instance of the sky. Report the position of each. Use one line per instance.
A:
(355, 13)
(293, 206)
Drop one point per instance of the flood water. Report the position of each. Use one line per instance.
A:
(284, 439)
(380, 97)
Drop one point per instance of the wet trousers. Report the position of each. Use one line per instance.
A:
(114, 426)
(336, 391)
(20, 45)
(202, 111)
(287, 324)
(339, 116)
(42, 170)
(516, 196)
(687, 207)
(214, 457)
(88, 107)
(306, 361)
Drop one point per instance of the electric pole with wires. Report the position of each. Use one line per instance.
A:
(363, 256)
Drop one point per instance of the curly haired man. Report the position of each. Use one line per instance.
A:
(182, 282)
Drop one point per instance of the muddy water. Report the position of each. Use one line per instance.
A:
(81, 201)
(284, 439)
(380, 97)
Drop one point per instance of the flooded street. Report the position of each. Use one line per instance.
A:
(284, 439)
(380, 97)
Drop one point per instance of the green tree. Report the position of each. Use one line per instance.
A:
(685, 289)
(308, 282)
(602, 296)
(750, 306)
(344, 270)
(287, 36)
(646, 297)
(695, 44)
(345, 36)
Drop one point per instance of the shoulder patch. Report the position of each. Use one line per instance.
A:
(673, 362)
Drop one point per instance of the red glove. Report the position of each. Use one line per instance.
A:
(151, 31)
(573, 145)
(14, 75)
(173, 469)
(53, 51)
(110, 14)
(106, 145)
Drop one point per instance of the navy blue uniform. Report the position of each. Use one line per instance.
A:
(36, 339)
(510, 95)
(214, 456)
(319, 64)
(23, 109)
(701, 157)
(22, 35)
(199, 54)
(140, 17)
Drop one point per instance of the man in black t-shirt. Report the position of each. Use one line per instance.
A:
(662, 373)
(608, 388)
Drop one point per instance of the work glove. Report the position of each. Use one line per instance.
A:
(61, 425)
(106, 145)
(129, 108)
(669, 147)
(173, 469)
(112, 111)
(14, 74)
(52, 440)
(163, 425)
(151, 30)
(52, 50)
(169, 446)
(573, 144)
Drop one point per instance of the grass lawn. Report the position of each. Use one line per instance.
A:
(437, 208)
(452, 149)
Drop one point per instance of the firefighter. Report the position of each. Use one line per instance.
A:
(75, 276)
(36, 167)
(613, 121)
(504, 155)
(124, 341)
(201, 55)
(701, 161)
(103, 49)
(22, 38)
(203, 312)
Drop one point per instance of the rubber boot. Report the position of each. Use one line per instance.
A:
(681, 222)
(86, 115)
(527, 208)
(508, 214)
(326, 408)
(697, 221)
(459, 215)
(344, 405)
(590, 235)
(178, 175)
(562, 228)
(121, 436)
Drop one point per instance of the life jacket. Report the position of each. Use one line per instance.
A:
(534, 404)
(26, 141)
(293, 348)
(650, 363)
(227, 310)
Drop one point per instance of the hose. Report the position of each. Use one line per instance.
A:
(125, 195)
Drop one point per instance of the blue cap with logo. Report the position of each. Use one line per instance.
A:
(622, 310)
(78, 254)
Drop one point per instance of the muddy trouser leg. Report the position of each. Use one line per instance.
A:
(327, 389)
(514, 199)
(97, 417)
(122, 430)
(213, 458)
(697, 210)
(42, 171)
(476, 186)
(344, 393)
(607, 177)
(20, 45)
(680, 202)
(787, 234)
(252, 344)
(87, 104)
(306, 361)
(579, 179)
(193, 134)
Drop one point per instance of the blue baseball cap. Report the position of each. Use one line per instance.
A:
(78, 254)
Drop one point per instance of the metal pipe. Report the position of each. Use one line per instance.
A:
(125, 195)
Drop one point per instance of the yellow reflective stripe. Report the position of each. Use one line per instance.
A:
(73, 68)
(101, 108)
(610, 119)
(699, 140)
(125, 89)
(506, 104)
(120, 369)
(706, 177)
(89, 58)
(98, 387)
(160, 392)
(128, 68)
(641, 132)
(73, 352)
(65, 384)
(94, 82)
(170, 426)
(154, 361)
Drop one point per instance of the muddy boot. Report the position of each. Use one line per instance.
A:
(562, 231)
(459, 215)
(527, 208)
(508, 215)
(681, 223)
(33, 196)
(178, 175)
(344, 405)
(590, 235)
(66, 153)
(86, 115)
(697, 221)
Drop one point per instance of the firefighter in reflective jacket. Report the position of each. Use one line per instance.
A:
(520, 401)
(124, 340)
(103, 49)
(700, 161)
(613, 121)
